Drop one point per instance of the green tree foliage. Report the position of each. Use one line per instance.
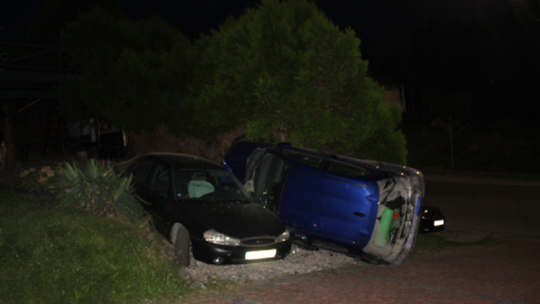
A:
(534, 6)
(3, 56)
(284, 68)
(52, 18)
(133, 74)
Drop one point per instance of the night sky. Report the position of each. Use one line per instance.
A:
(505, 67)
(380, 24)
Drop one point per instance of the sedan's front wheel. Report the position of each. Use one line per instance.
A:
(181, 241)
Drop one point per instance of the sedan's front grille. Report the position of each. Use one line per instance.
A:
(258, 241)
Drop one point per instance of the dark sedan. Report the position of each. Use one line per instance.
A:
(197, 202)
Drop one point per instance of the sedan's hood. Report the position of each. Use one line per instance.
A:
(237, 220)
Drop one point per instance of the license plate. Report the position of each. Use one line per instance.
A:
(261, 254)
(438, 223)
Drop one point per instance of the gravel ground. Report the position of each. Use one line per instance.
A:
(300, 261)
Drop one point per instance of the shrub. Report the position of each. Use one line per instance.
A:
(36, 180)
(98, 190)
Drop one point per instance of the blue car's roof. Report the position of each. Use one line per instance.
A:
(338, 166)
(329, 163)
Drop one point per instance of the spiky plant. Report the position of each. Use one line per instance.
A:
(98, 189)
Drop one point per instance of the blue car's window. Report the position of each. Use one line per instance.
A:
(308, 160)
(208, 185)
(268, 181)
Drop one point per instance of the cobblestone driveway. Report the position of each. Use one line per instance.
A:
(504, 271)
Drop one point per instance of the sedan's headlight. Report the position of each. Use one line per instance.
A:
(214, 237)
(284, 236)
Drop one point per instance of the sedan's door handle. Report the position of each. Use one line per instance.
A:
(360, 214)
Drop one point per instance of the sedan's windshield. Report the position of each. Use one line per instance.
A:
(208, 185)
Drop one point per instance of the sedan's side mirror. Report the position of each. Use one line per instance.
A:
(249, 186)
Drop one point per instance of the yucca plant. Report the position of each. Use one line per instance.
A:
(98, 189)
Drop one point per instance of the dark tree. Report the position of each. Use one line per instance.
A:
(54, 15)
(133, 74)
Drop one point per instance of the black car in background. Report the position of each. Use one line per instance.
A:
(432, 219)
(197, 202)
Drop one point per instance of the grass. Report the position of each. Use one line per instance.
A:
(429, 242)
(54, 255)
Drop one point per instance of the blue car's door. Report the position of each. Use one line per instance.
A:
(327, 207)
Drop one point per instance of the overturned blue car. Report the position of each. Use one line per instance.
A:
(367, 209)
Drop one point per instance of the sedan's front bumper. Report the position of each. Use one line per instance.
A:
(219, 254)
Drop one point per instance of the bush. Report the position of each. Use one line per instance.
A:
(98, 190)
(36, 180)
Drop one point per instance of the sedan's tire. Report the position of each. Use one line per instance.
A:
(180, 239)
